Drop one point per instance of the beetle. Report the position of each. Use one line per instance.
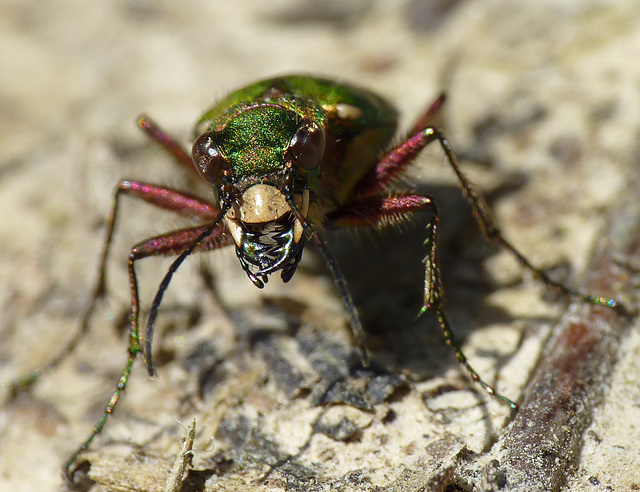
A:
(286, 157)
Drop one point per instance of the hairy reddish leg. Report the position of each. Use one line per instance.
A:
(430, 114)
(181, 242)
(369, 205)
(383, 210)
(395, 161)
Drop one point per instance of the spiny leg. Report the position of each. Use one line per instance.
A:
(182, 242)
(394, 162)
(384, 210)
(161, 197)
(450, 340)
(68, 471)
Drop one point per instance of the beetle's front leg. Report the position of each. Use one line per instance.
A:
(385, 210)
(181, 242)
(165, 198)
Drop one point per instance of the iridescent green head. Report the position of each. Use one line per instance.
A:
(259, 159)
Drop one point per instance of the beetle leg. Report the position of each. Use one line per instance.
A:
(182, 242)
(168, 244)
(167, 142)
(172, 243)
(383, 210)
(165, 198)
(430, 115)
(397, 159)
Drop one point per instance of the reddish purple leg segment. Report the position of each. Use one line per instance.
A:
(370, 205)
(161, 197)
(427, 119)
(382, 210)
(182, 242)
(170, 145)
(188, 206)
(179, 242)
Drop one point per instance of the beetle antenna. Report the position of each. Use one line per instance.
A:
(339, 280)
(148, 336)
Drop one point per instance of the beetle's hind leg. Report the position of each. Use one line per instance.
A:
(167, 142)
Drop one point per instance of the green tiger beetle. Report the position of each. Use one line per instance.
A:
(286, 157)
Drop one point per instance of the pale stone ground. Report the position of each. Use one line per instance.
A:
(544, 110)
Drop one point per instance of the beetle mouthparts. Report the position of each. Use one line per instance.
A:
(267, 248)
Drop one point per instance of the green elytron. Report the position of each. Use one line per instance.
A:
(286, 157)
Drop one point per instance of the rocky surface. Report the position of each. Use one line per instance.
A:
(544, 112)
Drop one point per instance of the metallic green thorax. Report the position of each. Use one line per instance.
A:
(254, 127)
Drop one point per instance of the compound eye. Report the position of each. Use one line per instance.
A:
(307, 145)
(207, 158)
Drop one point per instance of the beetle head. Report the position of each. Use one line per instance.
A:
(260, 176)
